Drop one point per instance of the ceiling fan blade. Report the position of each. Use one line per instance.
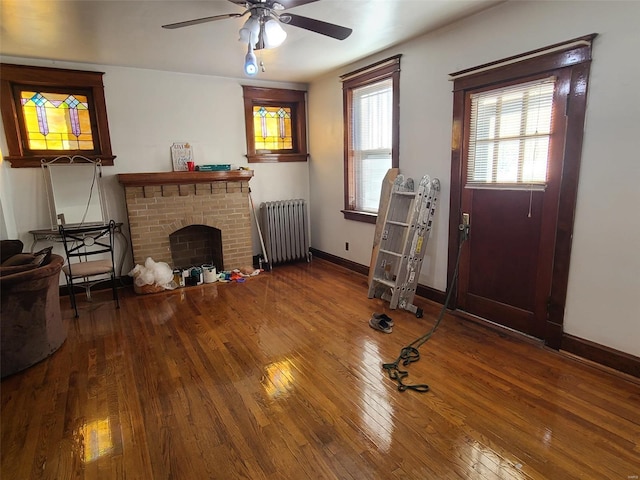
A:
(269, 3)
(294, 3)
(202, 20)
(318, 26)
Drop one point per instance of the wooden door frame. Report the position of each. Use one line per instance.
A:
(576, 55)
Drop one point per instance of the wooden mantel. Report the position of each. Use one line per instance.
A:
(182, 178)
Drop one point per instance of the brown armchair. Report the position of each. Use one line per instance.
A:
(31, 322)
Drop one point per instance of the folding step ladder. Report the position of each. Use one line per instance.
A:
(407, 222)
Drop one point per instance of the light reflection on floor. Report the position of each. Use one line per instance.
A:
(483, 459)
(97, 439)
(377, 412)
(278, 379)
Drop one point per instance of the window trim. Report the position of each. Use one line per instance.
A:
(382, 70)
(43, 78)
(294, 99)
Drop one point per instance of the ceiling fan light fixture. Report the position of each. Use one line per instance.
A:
(250, 31)
(263, 30)
(273, 34)
(250, 62)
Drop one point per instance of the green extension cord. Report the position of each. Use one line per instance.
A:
(411, 353)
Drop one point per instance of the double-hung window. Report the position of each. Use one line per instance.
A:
(371, 108)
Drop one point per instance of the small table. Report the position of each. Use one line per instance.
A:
(48, 235)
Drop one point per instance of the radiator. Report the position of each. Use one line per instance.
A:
(285, 229)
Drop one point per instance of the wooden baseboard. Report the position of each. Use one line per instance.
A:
(430, 293)
(343, 262)
(421, 290)
(600, 354)
(621, 361)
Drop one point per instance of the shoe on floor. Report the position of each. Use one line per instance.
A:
(380, 324)
(384, 317)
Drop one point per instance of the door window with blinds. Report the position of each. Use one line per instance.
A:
(371, 100)
(510, 131)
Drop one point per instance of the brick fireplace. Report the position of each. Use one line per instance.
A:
(161, 204)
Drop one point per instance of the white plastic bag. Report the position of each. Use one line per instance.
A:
(152, 273)
(161, 271)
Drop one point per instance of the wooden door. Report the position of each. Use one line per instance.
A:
(514, 267)
(505, 271)
(506, 267)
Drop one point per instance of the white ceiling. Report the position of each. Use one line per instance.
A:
(128, 33)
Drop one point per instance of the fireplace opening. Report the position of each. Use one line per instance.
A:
(196, 245)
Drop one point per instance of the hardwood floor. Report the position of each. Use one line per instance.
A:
(280, 378)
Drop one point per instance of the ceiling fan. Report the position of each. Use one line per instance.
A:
(262, 29)
(265, 14)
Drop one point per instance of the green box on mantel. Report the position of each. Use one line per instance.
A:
(213, 168)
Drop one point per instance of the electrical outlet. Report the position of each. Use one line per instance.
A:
(346, 246)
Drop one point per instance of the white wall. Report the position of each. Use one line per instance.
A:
(604, 280)
(148, 111)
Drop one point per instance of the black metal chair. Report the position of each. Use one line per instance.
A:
(89, 251)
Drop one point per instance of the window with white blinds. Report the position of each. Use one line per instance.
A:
(371, 113)
(509, 136)
(372, 140)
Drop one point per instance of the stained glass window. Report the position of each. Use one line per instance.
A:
(56, 121)
(275, 124)
(272, 127)
(49, 112)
